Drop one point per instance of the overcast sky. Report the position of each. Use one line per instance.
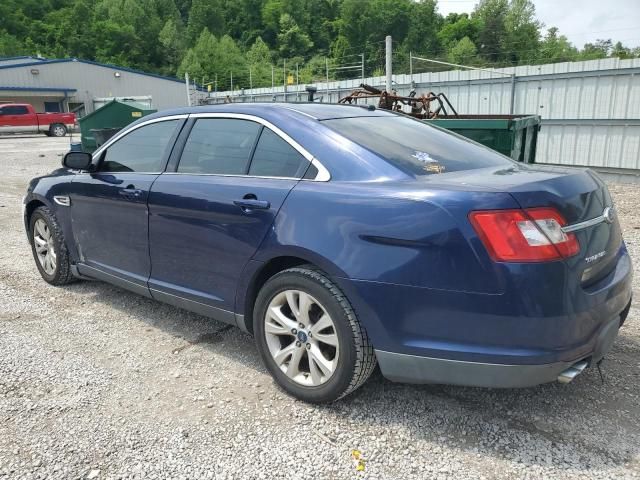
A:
(581, 21)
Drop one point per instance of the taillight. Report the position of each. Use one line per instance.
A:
(530, 235)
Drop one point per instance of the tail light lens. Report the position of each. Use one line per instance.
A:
(530, 235)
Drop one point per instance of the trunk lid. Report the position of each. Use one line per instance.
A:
(578, 194)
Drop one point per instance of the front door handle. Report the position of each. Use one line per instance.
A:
(247, 204)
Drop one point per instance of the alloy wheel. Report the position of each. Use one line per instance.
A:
(301, 337)
(44, 245)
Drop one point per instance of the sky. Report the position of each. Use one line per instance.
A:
(581, 21)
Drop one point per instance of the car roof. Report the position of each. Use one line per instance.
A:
(317, 111)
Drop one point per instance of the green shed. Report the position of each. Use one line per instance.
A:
(103, 123)
(515, 136)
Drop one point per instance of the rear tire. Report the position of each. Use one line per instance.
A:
(309, 337)
(57, 130)
(49, 248)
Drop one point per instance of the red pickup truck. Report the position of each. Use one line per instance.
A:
(22, 118)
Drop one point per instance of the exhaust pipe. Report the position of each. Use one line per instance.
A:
(572, 372)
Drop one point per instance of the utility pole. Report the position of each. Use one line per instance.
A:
(284, 79)
(513, 93)
(186, 84)
(362, 73)
(388, 61)
(326, 63)
(411, 66)
(297, 83)
(273, 82)
(231, 73)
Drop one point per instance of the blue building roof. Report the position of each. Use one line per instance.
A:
(39, 89)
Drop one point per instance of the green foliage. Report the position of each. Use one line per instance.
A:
(556, 48)
(463, 52)
(230, 37)
(291, 39)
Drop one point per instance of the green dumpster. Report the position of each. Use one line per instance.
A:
(111, 116)
(512, 135)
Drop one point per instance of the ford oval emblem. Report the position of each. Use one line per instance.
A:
(608, 214)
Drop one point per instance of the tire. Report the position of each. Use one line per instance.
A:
(342, 368)
(57, 130)
(41, 224)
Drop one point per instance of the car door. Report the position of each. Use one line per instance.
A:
(109, 205)
(209, 216)
(17, 119)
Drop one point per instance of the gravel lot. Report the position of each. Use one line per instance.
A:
(96, 382)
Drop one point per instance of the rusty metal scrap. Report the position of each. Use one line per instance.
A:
(427, 106)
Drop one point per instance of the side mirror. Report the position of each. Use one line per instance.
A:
(77, 160)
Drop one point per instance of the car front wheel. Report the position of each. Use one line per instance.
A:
(309, 337)
(49, 248)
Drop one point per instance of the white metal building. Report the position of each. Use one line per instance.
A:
(71, 84)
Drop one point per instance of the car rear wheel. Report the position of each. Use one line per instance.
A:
(57, 130)
(49, 248)
(309, 337)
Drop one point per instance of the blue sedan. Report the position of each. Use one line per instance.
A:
(345, 237)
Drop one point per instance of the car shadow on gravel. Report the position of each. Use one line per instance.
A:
(545, 425)
(188, 328)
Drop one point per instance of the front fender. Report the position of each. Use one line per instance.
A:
(41, 191)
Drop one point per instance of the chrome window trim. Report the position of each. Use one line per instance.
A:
(241, 175)
(323, 174)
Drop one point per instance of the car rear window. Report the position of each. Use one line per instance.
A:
(415, 147)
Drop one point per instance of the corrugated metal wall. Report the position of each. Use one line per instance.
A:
(590, 110)
(94, 81)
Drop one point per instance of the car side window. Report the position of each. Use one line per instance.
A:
(14, 110)
(274, 157)
(219, 146)
(142, 150)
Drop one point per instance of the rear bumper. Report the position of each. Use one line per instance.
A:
(526, 336)
(406, 368)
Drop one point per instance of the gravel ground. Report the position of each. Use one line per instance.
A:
(96, 382)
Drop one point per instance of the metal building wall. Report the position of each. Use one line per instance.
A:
(590, 110)
(93, 81)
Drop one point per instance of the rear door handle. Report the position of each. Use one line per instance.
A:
(251, 204)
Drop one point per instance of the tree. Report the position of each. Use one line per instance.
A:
(291, 40)
(463, 52)
(620, 51)
(199, 60)
(422, 34)
(493, 33)
(171, 37)
(259, 60)
(599, 49)
(556, 48)
(457, 26)
(10, 45)
(205, 14)
(522, 39)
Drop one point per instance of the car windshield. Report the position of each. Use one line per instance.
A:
(415, 147)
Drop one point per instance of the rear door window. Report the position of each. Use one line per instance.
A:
(219, 146)
(274, 157)
(415, 147)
